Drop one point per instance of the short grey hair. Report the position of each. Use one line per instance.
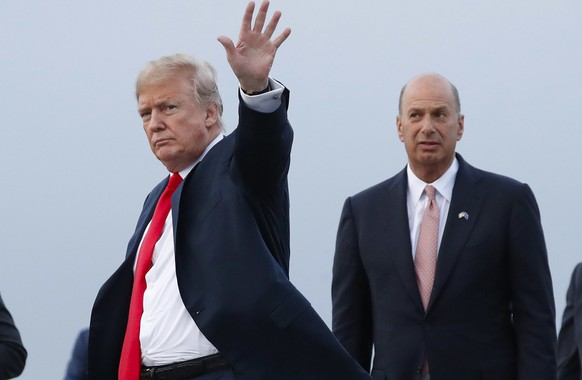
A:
(202, 75)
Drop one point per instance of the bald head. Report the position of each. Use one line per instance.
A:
(436, 81)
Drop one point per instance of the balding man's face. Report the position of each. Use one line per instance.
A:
(429, 125)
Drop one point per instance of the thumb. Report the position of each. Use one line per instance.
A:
(227, 44)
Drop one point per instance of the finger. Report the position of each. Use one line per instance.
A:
(247, 17)
(282, 37)
(227, 44)
(272, 24)
(261, 16)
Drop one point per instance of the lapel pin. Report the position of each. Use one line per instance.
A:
(464, 215)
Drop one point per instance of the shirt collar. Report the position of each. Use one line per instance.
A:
(186, 171)
(444, 184)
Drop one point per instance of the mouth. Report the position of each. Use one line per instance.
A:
(428, 145)
(160, 142)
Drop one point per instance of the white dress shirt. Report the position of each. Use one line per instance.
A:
(168, 334)
(417, 200)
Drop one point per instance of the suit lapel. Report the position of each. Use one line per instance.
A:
(145, 217)
(176, 207)
(467, 198)
(200, 185)
(394, 219)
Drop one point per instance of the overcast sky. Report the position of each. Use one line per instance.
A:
(77, 167)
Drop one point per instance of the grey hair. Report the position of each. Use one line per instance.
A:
(202, 75)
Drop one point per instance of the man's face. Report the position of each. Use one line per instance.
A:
(429, 125)
(177, 127)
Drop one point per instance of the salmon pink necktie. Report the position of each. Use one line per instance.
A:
(130, 361)
(426, 249)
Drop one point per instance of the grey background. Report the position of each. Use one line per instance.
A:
(76, 166)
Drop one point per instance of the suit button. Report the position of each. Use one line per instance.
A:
(426, 326)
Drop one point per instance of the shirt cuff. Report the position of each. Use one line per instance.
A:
(267, 102)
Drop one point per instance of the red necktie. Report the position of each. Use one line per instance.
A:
(130, 361)
(426, 248)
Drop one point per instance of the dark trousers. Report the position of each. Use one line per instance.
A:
(225, 374)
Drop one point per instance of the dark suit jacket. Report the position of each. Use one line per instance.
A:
(12, 352)
(231, 227)
(570, 338)
(77, 367)
(491, 312)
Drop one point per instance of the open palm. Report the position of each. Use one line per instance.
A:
(252, 57)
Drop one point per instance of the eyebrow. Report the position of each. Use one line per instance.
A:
(157, 103)
(441, 108)
(431, 109)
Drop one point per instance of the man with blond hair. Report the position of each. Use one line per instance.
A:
(204, 290)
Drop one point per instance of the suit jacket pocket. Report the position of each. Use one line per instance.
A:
(289, 310)
(502, 369)
(379, 374)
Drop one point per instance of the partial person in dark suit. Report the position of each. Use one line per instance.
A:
(77, 366)
(570, 337)
(12, 352)
(218, 303)
(470, 300)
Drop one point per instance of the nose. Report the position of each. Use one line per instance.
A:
(427, 126)
(155, 123)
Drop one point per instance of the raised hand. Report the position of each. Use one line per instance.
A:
(252, 58)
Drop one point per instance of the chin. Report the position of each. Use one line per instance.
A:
(167, 162)
(429, 159)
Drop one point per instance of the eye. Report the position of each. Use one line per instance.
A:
(145, 115)
(414, 115)
(441, 114)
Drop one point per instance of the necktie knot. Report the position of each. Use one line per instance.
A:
(174, 182)
(430, 192)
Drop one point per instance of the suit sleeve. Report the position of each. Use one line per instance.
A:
(263, 148)
(261, 163)
(532, 294)
(568, 354)
(351, 300)
(12, 352)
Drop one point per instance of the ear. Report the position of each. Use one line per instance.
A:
(211, 115)
(460, 126)
(399, 128)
